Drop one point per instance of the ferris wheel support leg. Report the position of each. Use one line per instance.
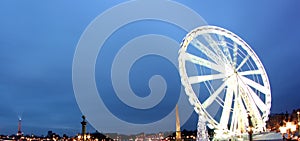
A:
(202, 134)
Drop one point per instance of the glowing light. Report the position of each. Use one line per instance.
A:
(282, 129)
(289, 124)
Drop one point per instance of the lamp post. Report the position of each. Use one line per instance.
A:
(298, 114)
(250, 127)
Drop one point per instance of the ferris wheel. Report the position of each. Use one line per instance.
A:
(232, 80)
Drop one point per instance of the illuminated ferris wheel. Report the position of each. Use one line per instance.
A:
(233, 82)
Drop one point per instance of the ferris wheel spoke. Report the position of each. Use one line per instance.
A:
(201, 47)
(252, 95)
(226, 108)
(257, 118)
(234, 119)
(255, 85)
(213, 96)
(225, 47)
(250, 103)
(237, 116)
(203, 62)
(202, 78)
(250, 72)
(242, 114)
(214, 46)
(260, 104)
(243, 62)
(235, 49)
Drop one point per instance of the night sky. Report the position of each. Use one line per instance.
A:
(38, 40)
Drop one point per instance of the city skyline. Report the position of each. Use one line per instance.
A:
(38, 41)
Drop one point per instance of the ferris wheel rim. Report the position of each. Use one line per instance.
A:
(198, 106)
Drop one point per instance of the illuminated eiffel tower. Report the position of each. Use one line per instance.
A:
(19, 133)
(178, 132)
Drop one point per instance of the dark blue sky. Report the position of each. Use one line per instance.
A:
(38, 40)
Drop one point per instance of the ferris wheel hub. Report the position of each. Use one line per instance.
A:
(229, 71)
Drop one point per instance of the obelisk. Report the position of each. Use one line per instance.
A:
(178, 132)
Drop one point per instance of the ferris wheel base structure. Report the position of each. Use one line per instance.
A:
(230, 88)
